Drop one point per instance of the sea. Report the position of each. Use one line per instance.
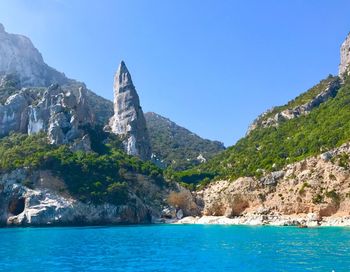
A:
(175, 248)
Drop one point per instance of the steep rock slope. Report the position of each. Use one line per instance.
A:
(41, 205)
(309, 100)
(269, 149)
(345, 57)
(57, 164)
(175, 146)
(292, 168)
(128, 120)
(61, 114)
(42, 184)
(22, 66)
(311, 190)
(316, 121)
(301, 105)
(18, 55)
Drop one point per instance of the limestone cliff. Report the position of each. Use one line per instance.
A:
(313, 189)
(59, 113)
(18, 55)
(52, 184)
(47, 202)
(128, 120)
(35, 97)
(276, 115)
(344, 57)
(326, 89)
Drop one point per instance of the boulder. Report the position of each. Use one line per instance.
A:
(179, 214)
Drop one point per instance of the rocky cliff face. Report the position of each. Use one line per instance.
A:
(128, 120)
(266, 120)
(344, 57)
(50, 204)
(329, 91)
(35, 97)
(314, 189)
(59, 113)
(19, 56)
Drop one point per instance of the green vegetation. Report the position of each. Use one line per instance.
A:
(269, 149)
(342, 160)
(304, 97)
(334, 196)
(99, 176)
(303, 187)
(176, 146)
(318, 199)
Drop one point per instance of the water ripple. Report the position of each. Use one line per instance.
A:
(175, 248)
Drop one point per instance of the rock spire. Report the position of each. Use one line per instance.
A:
(128, 120)
(344, 57)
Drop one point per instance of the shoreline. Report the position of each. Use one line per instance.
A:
(306, 221)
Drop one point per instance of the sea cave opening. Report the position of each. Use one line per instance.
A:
(16, 206)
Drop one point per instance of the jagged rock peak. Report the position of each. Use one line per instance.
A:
(128, 120)
(122, 77)
(344, 57)
(2, 28)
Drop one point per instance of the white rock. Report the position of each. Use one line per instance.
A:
(179, 214)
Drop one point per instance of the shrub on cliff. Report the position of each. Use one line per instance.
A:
(269, 149)
(93, 176)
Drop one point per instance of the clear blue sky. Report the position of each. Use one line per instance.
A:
(211, 66)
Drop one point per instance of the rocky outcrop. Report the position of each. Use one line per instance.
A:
(35, 97)
(273, 117)
(60, 113)
(330, 91)
(317, 187)
(47, 202)
(345, 57)
(19, 56)
(13, 114)
(128, 120)
(59, 110)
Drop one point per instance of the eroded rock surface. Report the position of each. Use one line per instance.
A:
(317, 186)
(18, 55)
(345, 57)
(128, 120)
(50, 204)
(59, 113)
(262, 122)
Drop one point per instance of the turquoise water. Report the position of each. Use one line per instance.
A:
(175, 248)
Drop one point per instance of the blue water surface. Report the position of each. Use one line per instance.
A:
(175, 248)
